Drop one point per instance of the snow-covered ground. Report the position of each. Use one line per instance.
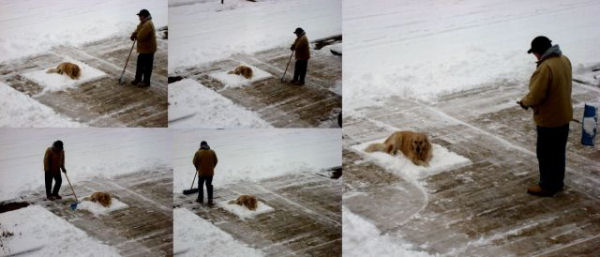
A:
(255, 154)
(38, 232)
(20, 110)
(193, 105)
(206, 31)
(60, 82)
(194, 236)
(89, 152)
(30, 26)
(362, 238)
(422, 49)
(242, 212)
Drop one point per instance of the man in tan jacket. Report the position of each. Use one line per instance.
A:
(54, 161)
(205, 161)
(146, 47)
(550, 98)
(302, 49)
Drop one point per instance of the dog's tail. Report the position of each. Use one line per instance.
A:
(377, 147)
(52, 70)
(232, 202)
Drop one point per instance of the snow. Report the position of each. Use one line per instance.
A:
(35, 227)
(61, 82)
(442, 160)
(97, 208)
(255, 154)
(193, 236)
(589, 125)
(424, 49)
(362, 238)
(242, 212)
(20, 110)
(208, 108)
(208, 31)
(89, 153)
(30, 27)
(233, 81)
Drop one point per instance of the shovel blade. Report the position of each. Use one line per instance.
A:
(190, 191)
(73, 206)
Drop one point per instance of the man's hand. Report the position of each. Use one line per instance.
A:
(293, 47)
(522, 105)
(64, 171)
(133, 36)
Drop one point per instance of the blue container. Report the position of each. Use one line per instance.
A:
(589, 125)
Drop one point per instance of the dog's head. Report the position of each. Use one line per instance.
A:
(421, 146)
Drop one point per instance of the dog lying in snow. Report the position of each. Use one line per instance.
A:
(246, 200)
(100, 197)
(243, 71)
(415, 146)
(70, 69)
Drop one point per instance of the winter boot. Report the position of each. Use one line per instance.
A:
(539, 191)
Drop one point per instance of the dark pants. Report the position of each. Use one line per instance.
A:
(57, 178)
(143, 70)
(551, 154)
(300, 70)
(209, 188)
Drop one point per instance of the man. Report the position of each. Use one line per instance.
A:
(146, 47)
(54, 161)
(550, 98)
(302, 49)
(205, 161)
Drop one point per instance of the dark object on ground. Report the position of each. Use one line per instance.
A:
(126, 62)
(11, 206)
(335, 52)
(174, 79)
(340, 119)
(191, 190)
(337, 172)
(320, 43)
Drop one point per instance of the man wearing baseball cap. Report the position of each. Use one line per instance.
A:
(302, 54)
(550, 98)
(146, 47)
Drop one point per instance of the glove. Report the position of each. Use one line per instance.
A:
(522, 106)
(133, 36)
(293, 47)
(64, 171)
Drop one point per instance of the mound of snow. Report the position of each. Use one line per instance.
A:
(244, 213)
(38, 230)
(233, 81)
(98, 209)
(442, 160)
(58, 82)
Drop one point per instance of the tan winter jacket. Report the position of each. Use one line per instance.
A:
(54, 161)
(205, 161)
(146, 37)
(302, 48)
(550, 92)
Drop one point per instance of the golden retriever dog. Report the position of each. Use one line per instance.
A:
(70, 69)
(415, 146)
(242, 70)
(100, 197)
(246, 200)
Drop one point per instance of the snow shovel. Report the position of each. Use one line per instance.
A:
(286, 67)
(73, 205)
(192, 190)
(126, 61)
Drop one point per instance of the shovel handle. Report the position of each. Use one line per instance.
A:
(67, 176)
(127, 61)
(286, 67)
(194, 180)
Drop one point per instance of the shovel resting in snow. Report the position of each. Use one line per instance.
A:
(192, 190)
(73, 205)
(126, 61)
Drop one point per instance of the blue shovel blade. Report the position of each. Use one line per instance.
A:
(74, 206)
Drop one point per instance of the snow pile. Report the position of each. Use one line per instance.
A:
(361, 238)
(207, 31)
(31, 27)
(255, 154)
(60, 82)
(20, 110)
(193, 105)
(442, 160)
(98, 209)
(35, 228)
(242, 212)
(233, 81)
(89, 153)
(589, 125)
(193, 236)
(424, 49)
